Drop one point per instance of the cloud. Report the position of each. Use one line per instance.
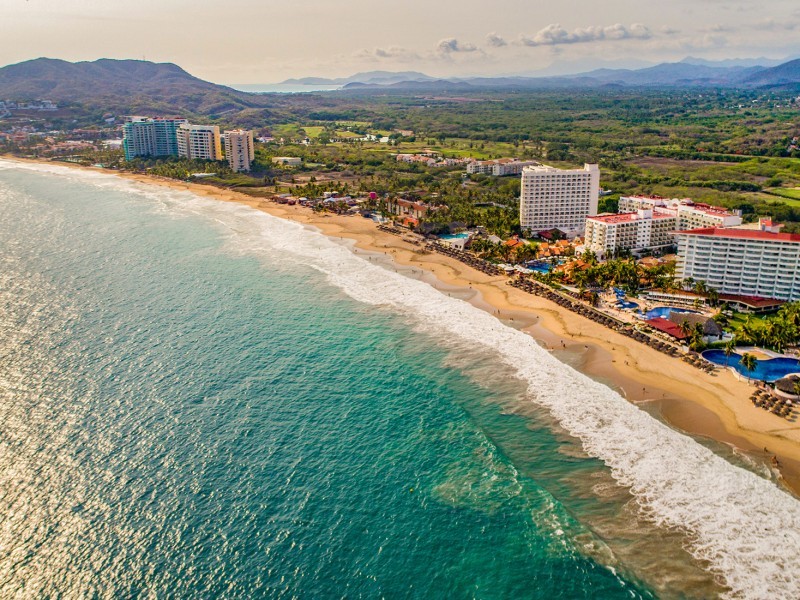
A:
(451, 45)
(773, 25)
(495, 40)
(390, 53)
(556, 35)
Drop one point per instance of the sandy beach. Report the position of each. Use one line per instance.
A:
(714, 406)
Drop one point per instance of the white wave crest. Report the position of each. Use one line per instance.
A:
(744, 526)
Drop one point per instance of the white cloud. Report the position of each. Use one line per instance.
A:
(555, 35)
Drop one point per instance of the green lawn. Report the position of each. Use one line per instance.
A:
(791, 194)
(313, 131)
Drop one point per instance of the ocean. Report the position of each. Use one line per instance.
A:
(200, 400)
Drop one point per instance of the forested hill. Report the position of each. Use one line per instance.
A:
(128, 86)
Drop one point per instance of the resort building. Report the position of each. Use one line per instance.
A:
(553, 198)
(199, 141)
(145, 136)
(762, 263)
(691, 215)
(499, 167)
(239, 149)
(401, 207)
(607, 235)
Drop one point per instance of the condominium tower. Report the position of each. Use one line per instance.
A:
(145, 136)
(239, 149)
(199, 141)
(552, 198)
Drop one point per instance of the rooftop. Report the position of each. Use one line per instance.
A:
(627, 217)
(746, 234)
(752, 301)
(667, 327)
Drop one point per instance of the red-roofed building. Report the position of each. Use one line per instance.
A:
(758, 263)
(668, 327)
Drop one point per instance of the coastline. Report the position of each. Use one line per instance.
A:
(710, 406)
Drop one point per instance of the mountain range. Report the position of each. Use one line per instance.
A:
(121, 85)
(135, 86)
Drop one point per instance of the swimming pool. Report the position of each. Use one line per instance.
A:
(541, 267)
(627, 304)
(454, 236)
(664, 311)
(770, 369)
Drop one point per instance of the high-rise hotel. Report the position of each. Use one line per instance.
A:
(764, 262)
(199, 141)
(552, 198)
(145, 136)
(239, 149)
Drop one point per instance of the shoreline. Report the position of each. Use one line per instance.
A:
(714, 407)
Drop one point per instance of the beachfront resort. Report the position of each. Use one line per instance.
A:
(688, 278)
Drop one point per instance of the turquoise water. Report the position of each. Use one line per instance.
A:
(666, 311)
(454, 236)
(178, 419)
(197, 400)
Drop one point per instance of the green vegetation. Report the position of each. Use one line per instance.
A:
(728, 147)
(776, 332)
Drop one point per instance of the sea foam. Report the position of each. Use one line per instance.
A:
(744, 526)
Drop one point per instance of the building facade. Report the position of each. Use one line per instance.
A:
(553, 198)
(145, 136)
(239, 149)
(499, 167)
(199, 141)
(691, 215)
(761, 263)
(606, 235)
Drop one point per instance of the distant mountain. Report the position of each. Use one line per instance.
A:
(672, 74)
(369, 77)
(734, 62)
(120, 85)
(786, 73)
(681, 74)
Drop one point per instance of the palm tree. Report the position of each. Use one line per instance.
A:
(749, 362)
(730, 348)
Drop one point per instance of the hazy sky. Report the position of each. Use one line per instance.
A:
(262, 41)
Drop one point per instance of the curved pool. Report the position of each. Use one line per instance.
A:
(770, 369)
(664, 311)
(627, 304)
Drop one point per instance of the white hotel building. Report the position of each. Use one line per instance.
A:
(199, 141)
(691, 215)
(634, 231)
(553, 198)
(746, 262)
